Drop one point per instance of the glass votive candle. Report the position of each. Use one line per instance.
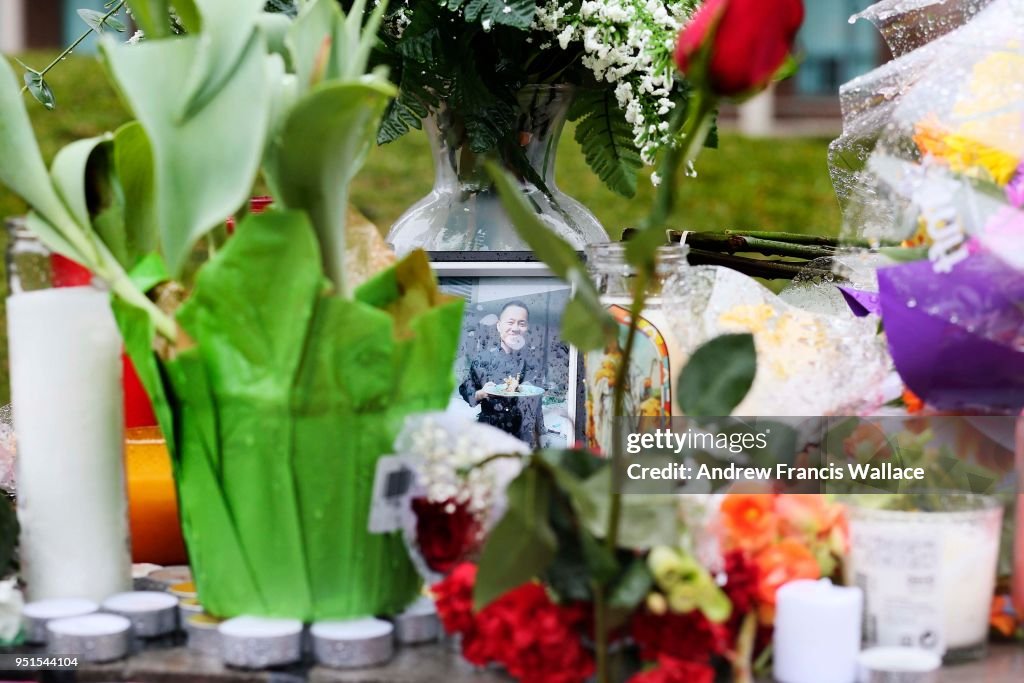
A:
(928, 570)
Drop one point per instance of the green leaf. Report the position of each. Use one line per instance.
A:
(229, 30)
(68, 173)
(718, 376)
(647, 520)
(904, 254)
(322, 145)
(204, 165)
(632, 587)
(188, 15)
(580, 328)
(8, 534)
(522, 544)
(97, 21)
(643, 246)
(22, 170)
(40, 89)
(133, 158)
(607, 140)
(310, 33)
(152, 17)
(585, 312)
(149, 272)
(515, 13)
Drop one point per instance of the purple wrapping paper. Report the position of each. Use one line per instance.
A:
(861, 303)
(957, 338)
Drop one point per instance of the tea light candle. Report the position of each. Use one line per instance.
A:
(152, 613)
(140, 576)
(36, 615)
(817, 632)
(260, 642)
(66, 393)
(163, 579)
(898, 665)
(188, 607)
(418, 623)
(94, 637)
(186, 589)
(203, 634)
(352, 644)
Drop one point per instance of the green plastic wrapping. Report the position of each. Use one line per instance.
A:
(276, 403)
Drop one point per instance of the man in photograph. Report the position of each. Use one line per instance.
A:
(510, 362)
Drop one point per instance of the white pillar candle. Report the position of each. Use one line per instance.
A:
(817, 632)
(65, 354)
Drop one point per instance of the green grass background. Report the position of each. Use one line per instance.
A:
(766, 184)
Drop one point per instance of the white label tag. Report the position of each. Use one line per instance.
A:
(391, 484)
(900, 573)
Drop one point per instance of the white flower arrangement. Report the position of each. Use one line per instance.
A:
(628, 43)
(447, 450)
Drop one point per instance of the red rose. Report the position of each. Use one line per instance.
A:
(670, 670)
(444, 538)
(746, 41)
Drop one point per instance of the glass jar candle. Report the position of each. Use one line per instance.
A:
(657, 350)
(928, 576)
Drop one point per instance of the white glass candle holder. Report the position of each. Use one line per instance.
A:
(928, 576)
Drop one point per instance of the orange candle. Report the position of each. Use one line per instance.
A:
(152, 499)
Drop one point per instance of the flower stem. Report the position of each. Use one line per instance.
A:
(731, 243)
(78, 41)
(601, 631)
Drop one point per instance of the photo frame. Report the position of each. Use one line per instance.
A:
(512, 298)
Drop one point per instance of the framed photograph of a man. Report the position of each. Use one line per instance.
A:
(513, 370)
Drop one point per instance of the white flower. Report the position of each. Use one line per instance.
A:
(655, 179)
(446, 448)
(11, 603)
(136, 37)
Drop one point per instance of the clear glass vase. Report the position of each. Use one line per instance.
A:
(463, 212)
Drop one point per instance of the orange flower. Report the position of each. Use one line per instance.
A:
(749, 521)
(914, 404)
(807, 516)
(777, 565)
(1002, 618)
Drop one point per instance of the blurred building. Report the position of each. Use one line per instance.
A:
(43, 24)
(832, 52)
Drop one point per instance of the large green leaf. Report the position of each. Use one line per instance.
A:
(68, 174)
(718, 376)
(606, 139)
(588, 322)
(133, 158)
(647, 520)
(310, 40)
(152, 17)
(322, 145)
(204, 165)
(227, 30)
(522, 544)
(22, 169)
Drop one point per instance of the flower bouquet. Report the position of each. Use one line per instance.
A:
(593, 564)
(940, 133)
(278, 378)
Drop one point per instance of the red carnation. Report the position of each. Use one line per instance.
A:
(445, 533)
(746, 41)
(535, 639)
(690, 637)
(454, 598)
(670, 670)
